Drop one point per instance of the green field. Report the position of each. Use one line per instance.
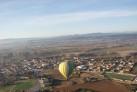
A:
(6, 88)
(24, 85)
(21, 85)
(119, 76)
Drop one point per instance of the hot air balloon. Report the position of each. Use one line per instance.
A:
(66, 69)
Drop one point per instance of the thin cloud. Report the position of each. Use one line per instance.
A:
(18, 5)
(76, 17)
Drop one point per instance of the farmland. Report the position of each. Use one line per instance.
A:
(119, 76)
(21, 85)
(98, 52)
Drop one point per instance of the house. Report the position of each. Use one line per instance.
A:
(82, 67)
(24, 77)
(45, 82)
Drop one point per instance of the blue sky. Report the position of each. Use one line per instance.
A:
(48, 18)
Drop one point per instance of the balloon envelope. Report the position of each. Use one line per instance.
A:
(66, 68)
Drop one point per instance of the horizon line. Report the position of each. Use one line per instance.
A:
(127, 32)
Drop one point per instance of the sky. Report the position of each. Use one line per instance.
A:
(49, 18)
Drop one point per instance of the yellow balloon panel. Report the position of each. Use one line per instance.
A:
(63, 70)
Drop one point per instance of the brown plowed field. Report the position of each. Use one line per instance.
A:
(100, 86)
(75, 83)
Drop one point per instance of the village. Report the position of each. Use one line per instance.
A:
(37, 69)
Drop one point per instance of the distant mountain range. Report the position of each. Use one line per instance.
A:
(69, 38)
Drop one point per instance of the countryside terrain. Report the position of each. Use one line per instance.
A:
(101, 47)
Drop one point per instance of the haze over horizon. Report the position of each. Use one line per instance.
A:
(49, 18)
